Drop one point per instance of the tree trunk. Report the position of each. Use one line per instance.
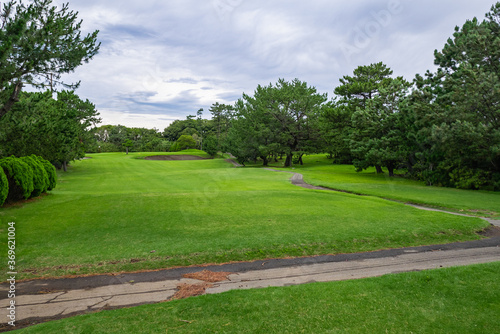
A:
(379, 169)
(300, 160)
(265, 160)
(12, 99)
(126, 148)
(288, 161)
(390, 168)
(65, 166)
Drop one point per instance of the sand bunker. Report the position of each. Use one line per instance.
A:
(174, 157)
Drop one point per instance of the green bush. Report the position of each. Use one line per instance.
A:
(51, 172)
(185, 142)
(174, 147)
(4, 186)
(20, 177)
(40, 177)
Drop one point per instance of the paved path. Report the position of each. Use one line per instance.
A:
(41, 300)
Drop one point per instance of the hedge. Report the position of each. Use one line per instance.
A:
(20, 177)
(4, 186)
(25, 177)
(51, 172)
(40, 177)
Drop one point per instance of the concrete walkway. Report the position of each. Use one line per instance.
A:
(42, 300)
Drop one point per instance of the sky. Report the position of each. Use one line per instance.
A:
(160, 61)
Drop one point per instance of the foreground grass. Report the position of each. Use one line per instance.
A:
(319, 171)
(452, 300)
(115, 212)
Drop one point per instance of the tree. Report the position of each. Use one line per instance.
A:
(58, 130)
(179, 128)
(335, 125)
(377, 137)
(185, 142)
(252, 134)
(38, 43)
(456, 109)
(128, 144)
(355, 92)
(210, 145)
(284, 117)
(221, 116)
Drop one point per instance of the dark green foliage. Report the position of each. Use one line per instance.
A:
(4, 186)
(278, 119)
(185, 142)
(453, 118)
(38, 43)
(20, 178)
(40, 177)
(335, 123)
(57, 130)
(221, 119)
(109, 138)
(128, 144)
(377, 136)
(210, 145)
(50, 170)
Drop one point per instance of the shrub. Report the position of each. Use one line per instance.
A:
(174, 147)
(4, 186)
(20, 177)
(40, 177)
(185, 142)
(51, 172)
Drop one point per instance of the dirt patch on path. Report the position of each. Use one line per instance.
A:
(174, 157)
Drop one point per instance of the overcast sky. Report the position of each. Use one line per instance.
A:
(163, 60)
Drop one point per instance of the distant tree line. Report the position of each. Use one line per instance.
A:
(192, 133)
(442, 128)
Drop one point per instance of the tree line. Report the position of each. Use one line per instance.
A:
(443, 128)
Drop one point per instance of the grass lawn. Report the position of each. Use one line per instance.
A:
(117, 212)
(452, 300)
(319, 171)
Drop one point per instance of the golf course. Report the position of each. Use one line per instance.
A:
(113, 212)
(233, 166)
(116, 212)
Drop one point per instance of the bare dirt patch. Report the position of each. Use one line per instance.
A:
(174, 157)
(208, 276)
(490, 232)
(190, 290)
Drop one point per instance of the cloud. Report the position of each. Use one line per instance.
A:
(168, 59)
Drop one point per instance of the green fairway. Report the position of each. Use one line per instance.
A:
(117, 212)
(318, 170)
(453, 300)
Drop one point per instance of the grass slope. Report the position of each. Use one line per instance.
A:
(115, 212)
(453, 300)
(319, 171)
